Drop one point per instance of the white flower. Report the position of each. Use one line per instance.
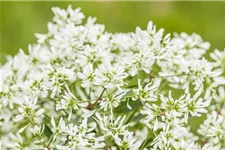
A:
(92, 55)
(154, 116)
(18, 143)
(121, 41)
(207, 146)
(193, 44)
(56, 78)
(67, 16)
(38, 54)
(219, 58)
(37, 130)
(213, 128)
(199, 69)
(28, 108)
(218, 99)
(112, 101)
(145, 94)
(111, 126)
(128, 141)
(110, 76)
(196, 106)
(81, 137)
(70, 102)
(175, 106)
(143, 60)
(87, 76)
(175, 137)
(35, 85)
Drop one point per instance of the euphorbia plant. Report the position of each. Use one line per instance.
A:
(81, 88)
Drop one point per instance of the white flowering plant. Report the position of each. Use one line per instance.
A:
(82, 88)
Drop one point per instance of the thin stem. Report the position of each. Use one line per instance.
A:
(51, 139)
(100, 96)
(90, 92)
(38, 136)
(130, 117)
(102, 93)
(65, 112)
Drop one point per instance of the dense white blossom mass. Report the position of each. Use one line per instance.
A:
(82, 88)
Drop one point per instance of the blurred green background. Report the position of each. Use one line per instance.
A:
(20, 20)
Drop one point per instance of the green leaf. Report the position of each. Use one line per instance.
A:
(47, 131)
(129, 94)
(122, 108)
(147, 141)
(130, 86)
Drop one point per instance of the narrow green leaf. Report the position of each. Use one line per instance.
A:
(122, 108)
(47, 131)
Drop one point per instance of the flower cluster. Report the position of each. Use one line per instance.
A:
(80, 87)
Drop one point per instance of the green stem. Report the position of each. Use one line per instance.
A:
(99, 96)
(89, 92)
(144, 144)
(38, 136)
(130, 117)
(51, 139)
